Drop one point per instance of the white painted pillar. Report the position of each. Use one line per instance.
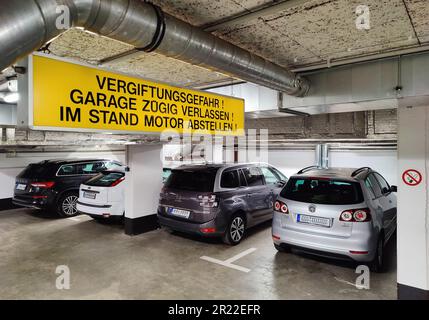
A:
(143, 185)
(413, 212)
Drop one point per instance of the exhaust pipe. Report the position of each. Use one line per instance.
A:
(26, 25)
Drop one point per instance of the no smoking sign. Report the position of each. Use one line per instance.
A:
(412, 177)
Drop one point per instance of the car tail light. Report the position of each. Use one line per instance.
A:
(358, 252)
(356, 215)
(208, 201)
(117, 182)
(44, 185)
(281, 207)
(208, 230)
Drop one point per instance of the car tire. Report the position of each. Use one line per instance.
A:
(283, 248)
(66, 206)
(235, 230)
(378, 263)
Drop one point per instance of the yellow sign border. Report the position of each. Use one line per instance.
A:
(31, 97)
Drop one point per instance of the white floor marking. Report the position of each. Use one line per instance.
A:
(345, 281)
(74, 219)
(229, 262)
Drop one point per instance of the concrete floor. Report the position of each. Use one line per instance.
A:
(107, 264)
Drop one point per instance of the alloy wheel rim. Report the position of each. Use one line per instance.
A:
(69, 205)
(237, 229)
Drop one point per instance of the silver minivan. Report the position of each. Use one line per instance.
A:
(337, 212)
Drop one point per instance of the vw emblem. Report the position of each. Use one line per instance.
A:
(312, 209)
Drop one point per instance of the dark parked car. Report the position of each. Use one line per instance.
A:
(54, 184)
(219, 200)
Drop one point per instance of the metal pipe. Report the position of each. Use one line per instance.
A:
(26, 25)
(322, 156)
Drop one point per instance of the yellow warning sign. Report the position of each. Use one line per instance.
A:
(73, 96)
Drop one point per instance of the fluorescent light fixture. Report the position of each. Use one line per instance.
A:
(12, 97)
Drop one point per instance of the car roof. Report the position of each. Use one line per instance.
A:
(71, 161)
(335, 173)
(218, 166)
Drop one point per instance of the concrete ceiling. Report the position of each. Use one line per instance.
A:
(312, 32)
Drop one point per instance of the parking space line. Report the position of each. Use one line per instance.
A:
(345, 281)
(229, 262)
(74, 219)
(240, 255)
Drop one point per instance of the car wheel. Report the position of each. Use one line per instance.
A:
(283, 248)
(67, 205)
(377, 264)
(235, 231)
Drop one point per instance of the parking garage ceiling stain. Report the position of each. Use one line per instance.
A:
(310, 33)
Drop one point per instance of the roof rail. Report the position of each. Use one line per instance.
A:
(307, 168)
(355, 173)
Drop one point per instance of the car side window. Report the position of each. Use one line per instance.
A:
(67, 170)
(373, 185)
(385, 188)
(270, 176)
(243, 182)
(230, 180)
(253, 176)
(281, 175)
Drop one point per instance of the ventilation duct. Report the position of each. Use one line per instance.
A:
(26, 25)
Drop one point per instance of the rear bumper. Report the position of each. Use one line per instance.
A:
(360, 246)
(110, 209)
(31, 203)
(189, 227)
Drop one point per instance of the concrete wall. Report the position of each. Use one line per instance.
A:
(11, 165)
(384, 161)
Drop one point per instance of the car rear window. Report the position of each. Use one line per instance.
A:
(105, 179)
(36, 170)
(322, 191)
(192, 180)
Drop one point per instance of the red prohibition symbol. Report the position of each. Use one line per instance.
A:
(412, 177)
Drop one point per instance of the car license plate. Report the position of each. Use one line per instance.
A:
(89, 195)
(179, 213)
(325, 222)
(21, 186)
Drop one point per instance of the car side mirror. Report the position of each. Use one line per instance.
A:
(281, 183)
(393, 189)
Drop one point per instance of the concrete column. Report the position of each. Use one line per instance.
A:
(143, 185)
(413, 197)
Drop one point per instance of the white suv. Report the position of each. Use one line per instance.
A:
(102, 197)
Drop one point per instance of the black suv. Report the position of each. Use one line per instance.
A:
(54, 184)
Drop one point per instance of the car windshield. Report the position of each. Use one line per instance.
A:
(192, 180)
(36, 170)
(322, 191)
(105, 179)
